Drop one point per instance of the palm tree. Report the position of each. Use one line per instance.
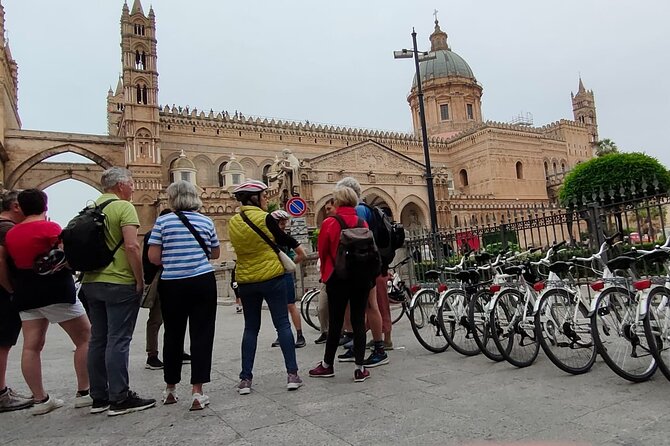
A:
(605, 147)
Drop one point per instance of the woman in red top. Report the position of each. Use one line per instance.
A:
(341, 292)
(44, 299)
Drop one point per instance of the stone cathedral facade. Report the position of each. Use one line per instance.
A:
(482, 169)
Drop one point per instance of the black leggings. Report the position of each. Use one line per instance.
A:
(339, 294)
(191, 300)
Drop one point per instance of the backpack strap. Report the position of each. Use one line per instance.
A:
(102, 206)
(195, 233)
(340, 220)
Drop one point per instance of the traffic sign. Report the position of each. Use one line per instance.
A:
(296, 206)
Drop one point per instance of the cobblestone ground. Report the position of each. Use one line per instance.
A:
(419, 398)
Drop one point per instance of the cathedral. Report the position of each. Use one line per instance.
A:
(482, 170)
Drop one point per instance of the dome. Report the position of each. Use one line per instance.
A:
(183, 163)
(446, 64)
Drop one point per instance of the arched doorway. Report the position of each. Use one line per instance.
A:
(67, 198)
(413, 218)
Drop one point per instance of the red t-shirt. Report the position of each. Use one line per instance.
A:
(26, 241)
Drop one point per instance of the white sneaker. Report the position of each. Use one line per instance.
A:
(199, 401)
(170, 396)
(82, 401)
(47, 406)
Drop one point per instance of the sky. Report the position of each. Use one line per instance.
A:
(331, 62)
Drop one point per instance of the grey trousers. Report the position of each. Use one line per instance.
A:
(113, 312)
(153, 326)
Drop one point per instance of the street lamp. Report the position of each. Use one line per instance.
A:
(420, 57)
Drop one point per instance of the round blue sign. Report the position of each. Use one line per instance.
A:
(296, 206)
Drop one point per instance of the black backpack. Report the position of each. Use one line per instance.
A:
(84, 240)
(357, 257)
(389, 235)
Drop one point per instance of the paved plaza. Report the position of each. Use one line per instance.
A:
(418, 399)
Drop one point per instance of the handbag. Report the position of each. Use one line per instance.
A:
(287, 263)
(151, 291)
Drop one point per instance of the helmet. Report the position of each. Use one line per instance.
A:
(280, 214)
(252, 186)
(50, 262)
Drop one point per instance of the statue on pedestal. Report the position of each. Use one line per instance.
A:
(284, 175)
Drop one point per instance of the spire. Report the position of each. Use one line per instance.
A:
(151, 12)
(125, 9)
(438, 40)
(119, 87)
(137, 7)
(581, 86)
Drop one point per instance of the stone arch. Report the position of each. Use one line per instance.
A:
(204, 170)
(375, 196)
(320, 209)
(22, 168)
(250, 168)
(94, 183)
(167, 161)
(414, 202)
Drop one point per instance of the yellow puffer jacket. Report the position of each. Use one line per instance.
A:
(256, 261)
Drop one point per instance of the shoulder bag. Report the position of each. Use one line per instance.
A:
(287, 263)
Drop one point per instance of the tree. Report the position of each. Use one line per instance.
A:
(605, 147)
(608, 173)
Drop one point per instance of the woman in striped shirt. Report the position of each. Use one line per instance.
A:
(183, 242)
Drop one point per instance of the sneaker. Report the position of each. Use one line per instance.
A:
(99, 406)
(300, 342)
(347, 356)
(14, 401)
(170, 396)
(322, 338)
(349, 344)
(132, 403)
(46, 406)
(361, 375)
(293, 381)
(238, 310)
(345, 338)
(199, 401)
(82, 401)
(185, 358)
(322, 372)
(153, 363)
(275, 343)
(244, 387)
(376, 358)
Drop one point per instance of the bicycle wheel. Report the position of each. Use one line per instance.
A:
(563, 327)
(399, 308)
(657, 327)
(452, 315)
(619, 337)
(306, 307)
(312, 310)
(478, 316)
(515, 336)
(423, 318)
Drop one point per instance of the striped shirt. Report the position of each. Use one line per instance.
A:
(182, 256)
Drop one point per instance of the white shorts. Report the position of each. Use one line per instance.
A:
(55, 313)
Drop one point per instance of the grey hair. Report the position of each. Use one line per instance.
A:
(8, 198)
(183, 196)
(113, 176)
(345, 196)
(351, 183)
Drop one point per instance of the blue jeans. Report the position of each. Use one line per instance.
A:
(252, 295)
(113, 312)
(290, 288)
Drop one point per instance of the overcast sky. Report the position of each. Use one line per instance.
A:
(331, 61)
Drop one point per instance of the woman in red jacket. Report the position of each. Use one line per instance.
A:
(340, 292)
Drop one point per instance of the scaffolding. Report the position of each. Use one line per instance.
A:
(525, 119)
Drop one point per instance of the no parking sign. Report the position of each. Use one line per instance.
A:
(296, 206)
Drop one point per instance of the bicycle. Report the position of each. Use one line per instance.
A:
(398, 294)
(309, 309)
(561, 314)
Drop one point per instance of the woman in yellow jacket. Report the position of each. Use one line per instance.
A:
(260, 275)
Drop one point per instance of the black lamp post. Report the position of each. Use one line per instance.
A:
(421, 56)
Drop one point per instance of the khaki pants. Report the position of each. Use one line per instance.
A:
(323, 309)
(153, 326)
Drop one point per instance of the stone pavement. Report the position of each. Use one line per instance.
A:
(419, 398)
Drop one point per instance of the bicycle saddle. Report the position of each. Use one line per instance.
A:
(484, 257)
(657, 256)
(432, 274)
(474, 276)
(463, 276)
(621, 262)
(560, 267)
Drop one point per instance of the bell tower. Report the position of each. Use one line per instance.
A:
(133, 108)
(584, 110)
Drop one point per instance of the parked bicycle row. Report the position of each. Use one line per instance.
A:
(509, 306)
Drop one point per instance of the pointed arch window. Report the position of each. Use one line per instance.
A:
(142, 94)
(138, 29)
(140, 60)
